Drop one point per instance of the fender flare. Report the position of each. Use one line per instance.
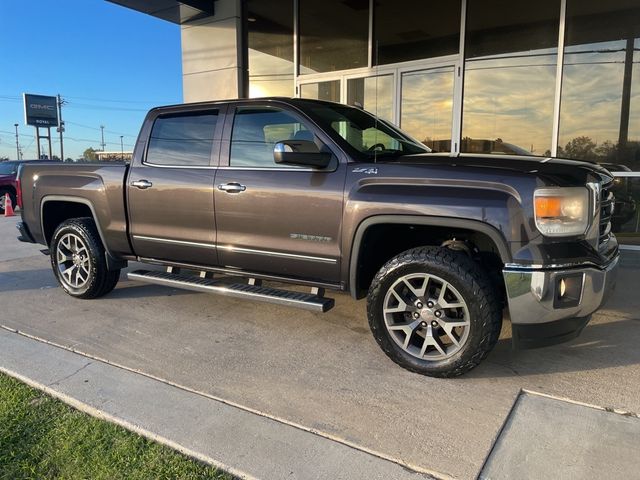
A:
(113, 263)
(475, 225)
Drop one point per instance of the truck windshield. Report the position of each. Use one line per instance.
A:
(361, 131)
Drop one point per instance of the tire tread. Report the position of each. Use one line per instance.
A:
(471, 273)
(106, 279)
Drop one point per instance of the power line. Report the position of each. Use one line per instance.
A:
(87, 106)
(98, 129)
(95, 99)
(12, 133)
(93, 140)
(155, 102)
(83, 106)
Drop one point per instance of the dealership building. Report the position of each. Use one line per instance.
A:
(551, 77)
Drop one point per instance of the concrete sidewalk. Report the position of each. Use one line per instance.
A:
(547, 437)
(238, 441)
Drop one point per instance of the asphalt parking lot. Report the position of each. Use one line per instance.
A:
(324, 371)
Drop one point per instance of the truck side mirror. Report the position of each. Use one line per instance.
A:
(300, 152)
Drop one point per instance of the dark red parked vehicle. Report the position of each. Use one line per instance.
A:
(8, 176)
(9, 182)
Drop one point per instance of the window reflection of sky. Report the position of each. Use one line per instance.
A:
(511, 97)
(592, 93)
(427, 104)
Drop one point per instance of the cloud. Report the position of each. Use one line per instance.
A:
(512, 99)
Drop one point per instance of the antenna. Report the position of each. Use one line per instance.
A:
(375, 150)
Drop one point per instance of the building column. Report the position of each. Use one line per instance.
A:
(212, 58)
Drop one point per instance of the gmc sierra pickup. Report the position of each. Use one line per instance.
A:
(328, 196)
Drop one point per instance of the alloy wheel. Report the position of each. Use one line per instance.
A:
(72, 258)
(426, 316)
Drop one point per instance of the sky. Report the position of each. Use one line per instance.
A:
(111, 64)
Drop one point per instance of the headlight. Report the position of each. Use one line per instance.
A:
(561, 211)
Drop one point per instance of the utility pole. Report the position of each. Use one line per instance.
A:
(102, 134)
(121, 149)
(61, 126)
(17, 142)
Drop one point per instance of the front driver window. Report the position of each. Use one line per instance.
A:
(257, 129)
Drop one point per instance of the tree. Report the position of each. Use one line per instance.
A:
(580, 148)
(607, 150)
(90, 154)
(4, 159)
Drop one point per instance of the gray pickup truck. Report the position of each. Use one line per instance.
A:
(227, 195)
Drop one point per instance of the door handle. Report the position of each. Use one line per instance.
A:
(232, 187)
(142, 184)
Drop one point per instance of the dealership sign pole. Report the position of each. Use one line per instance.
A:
(41, 111)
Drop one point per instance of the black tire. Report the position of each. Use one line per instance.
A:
(483, 305)
(99, 280)
(3, 192)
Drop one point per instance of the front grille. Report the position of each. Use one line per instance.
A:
(607, 202)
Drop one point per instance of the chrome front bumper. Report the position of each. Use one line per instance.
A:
(538, 317)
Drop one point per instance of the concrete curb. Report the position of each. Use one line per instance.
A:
(243, 443)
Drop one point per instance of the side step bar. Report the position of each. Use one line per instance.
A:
(307, 301)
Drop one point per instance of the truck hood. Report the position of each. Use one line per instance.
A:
(555, 170)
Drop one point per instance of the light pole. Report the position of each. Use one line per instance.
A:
(102, 135)
(61, 102)
(17, 142)
(121, 149)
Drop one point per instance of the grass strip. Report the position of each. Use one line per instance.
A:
(43, 438)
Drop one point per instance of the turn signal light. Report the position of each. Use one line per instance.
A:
(548, 207)
(561, 211)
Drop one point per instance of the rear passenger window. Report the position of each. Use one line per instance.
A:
(182, 139)
(257, 130)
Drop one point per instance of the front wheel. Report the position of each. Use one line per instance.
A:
(434, 311)
(78, 260)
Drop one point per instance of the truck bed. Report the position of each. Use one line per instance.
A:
(98, 186)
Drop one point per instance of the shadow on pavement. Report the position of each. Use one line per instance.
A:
(43, 278)
(604, 344)
(38, 279)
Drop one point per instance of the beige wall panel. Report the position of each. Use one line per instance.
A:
(214, 85)
(210, 46)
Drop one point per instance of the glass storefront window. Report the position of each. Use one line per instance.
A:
(374, 94)
(600, 109)
(415, 29)
(426, 106)
(329, 90)
(511, 60)
(333, 35)
(270, 48)
(626, 215)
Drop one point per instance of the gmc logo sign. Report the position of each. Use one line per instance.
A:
(38, 106)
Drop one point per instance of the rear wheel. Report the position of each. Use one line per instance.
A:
(434, 311)
(78, 260)
(3, 193)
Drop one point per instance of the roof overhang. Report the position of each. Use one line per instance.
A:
(174, 11)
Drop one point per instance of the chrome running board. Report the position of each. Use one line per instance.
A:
(314, 302)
